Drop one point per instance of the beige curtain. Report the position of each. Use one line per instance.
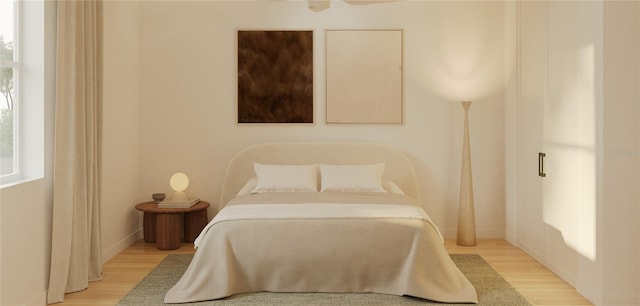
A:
(76, 246)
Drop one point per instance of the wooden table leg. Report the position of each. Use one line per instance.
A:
(194, 222)
(149, 227)
(168, 231)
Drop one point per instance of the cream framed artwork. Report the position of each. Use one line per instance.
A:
(364, 76)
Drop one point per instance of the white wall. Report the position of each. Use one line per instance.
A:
(452, 52)
(621, 157)
(511, 56)
(169, 105)
(26, 242)
(25, 209)
(121, 127)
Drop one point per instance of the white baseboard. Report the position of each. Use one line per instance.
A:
(480, 233)
(559, 271)
(511, 238)
(621, 300)
(121, 245)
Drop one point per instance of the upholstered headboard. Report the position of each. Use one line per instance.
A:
(398, 168)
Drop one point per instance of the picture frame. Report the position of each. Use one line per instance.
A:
(275, 76)
(364, 73)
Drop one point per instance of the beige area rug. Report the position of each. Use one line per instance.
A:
(492, 289)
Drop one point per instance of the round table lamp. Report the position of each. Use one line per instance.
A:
(179, 183)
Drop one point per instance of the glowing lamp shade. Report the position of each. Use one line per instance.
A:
(179, 183)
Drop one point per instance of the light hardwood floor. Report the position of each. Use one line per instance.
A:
(539, 285)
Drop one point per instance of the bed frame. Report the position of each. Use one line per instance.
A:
(254, 246)
(398, 168)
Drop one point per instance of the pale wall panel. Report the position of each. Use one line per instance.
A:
(364, 76)
(452, 52)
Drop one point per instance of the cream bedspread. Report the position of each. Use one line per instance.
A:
(321, 242)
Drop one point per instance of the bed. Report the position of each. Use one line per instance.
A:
(321, 217)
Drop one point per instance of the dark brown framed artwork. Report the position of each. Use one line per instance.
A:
(275, 76)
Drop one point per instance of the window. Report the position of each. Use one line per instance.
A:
(9, 69)
(27, 60)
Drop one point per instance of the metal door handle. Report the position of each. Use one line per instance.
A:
(541, 164)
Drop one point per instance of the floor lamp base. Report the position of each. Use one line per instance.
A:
(466, 215)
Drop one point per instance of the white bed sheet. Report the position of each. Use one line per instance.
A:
(322, 242)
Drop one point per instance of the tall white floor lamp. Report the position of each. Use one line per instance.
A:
(466, 215)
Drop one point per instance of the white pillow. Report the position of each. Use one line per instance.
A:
(352, 178)
(391, 187)
(285, 178)
(249, 186)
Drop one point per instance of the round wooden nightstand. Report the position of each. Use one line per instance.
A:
(164, 226)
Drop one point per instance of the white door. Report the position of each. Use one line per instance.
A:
(532, 94)
(569, 189)
(560, 47)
